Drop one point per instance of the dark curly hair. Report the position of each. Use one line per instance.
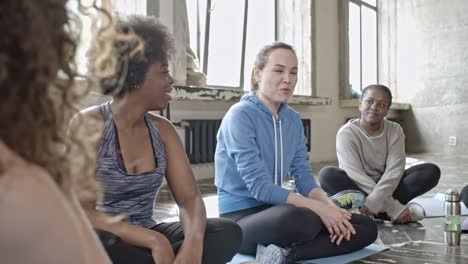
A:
(38, 94)
(133, 63)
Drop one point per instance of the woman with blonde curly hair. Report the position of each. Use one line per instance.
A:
(41, 219)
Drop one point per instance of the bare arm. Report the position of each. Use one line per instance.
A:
(184, 188)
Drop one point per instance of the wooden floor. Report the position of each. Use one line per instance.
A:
(421, 242)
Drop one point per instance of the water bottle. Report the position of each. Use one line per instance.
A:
(452, 222)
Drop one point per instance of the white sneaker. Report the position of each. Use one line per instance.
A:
(272, 254)
(417, 212)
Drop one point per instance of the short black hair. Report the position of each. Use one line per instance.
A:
(158, 45)
(381, 87)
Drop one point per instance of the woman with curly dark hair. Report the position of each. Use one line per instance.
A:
(137, 150)
(41, 219)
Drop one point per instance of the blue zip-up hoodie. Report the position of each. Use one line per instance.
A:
(255, 151)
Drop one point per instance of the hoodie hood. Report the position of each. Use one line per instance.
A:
(252, 97)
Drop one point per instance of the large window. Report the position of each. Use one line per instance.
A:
(362, 40)
(226, 35)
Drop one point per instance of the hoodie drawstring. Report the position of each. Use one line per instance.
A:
(276, 151)
(280, 180)
(281, 156)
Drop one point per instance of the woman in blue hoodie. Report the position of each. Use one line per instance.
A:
(260, 141)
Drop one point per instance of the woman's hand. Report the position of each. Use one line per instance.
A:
(336, 220)
(162, 250)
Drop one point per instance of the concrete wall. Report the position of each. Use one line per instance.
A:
(432, 72)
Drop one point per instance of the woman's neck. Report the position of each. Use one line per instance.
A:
(371, 129)
(273, 107)
(127, 112)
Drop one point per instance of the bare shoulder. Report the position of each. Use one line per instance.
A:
(165, 127)
(25, 186)
(35, 216)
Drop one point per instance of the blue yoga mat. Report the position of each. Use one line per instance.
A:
(365, 252)
(434, 206)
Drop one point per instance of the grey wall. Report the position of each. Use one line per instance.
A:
(432, 72)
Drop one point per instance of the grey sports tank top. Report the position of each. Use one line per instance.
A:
(127, 194)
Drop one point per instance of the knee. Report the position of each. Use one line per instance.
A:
(366, 229)
(330, 174)
(225, 230)
(431, 173)
(298, 221)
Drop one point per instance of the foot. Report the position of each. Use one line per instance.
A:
(413, 212)
(349, 199)
(271, 254)
(417, 212)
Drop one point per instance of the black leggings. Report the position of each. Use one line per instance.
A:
(464, 195)
(222, 240)
(298, 229)
(416, 180)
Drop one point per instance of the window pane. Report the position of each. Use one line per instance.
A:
(295, 28)
(193, 11)
(354, 48)
(225, 44)
(129, 7)
(120, 6)
(260, 32)
(369, 46)
(371, 2)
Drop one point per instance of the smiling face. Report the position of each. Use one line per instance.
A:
(277, 80)
(374, 106)
(157, 86)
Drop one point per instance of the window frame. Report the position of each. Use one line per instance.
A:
(243, 45)
(204, 59)
(345, 89)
